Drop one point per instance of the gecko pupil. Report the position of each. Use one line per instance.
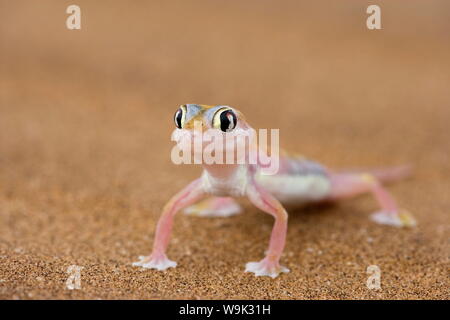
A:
(227, 121)
(178, 116)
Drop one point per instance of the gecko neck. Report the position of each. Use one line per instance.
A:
(221, 171)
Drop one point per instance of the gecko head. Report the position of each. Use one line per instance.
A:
(198, 126)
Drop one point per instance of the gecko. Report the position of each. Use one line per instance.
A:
(297, 181)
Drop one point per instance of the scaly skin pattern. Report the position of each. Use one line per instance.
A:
(297, 181)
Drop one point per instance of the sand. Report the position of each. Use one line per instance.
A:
(85, 123)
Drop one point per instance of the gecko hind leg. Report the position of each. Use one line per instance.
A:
(347, 185)
(214, 207)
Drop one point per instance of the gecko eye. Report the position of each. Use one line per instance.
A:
(225, 120)
(180, 116)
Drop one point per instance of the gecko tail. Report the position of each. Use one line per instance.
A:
(386, 175)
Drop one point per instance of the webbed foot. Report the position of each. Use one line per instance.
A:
(159, 262)
(214, 207)
(265, 268)
(402, 218)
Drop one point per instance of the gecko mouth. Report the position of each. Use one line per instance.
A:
(211, 138)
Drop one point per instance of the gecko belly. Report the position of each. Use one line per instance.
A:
(296, 189)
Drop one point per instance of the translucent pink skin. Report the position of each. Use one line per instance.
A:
(192, 193)
(343, 185)
(269, 266)
(350, 184)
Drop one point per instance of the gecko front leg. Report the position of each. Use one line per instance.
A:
(270, 265)
(158, 259)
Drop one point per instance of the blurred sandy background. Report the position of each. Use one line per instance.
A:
(85, 123)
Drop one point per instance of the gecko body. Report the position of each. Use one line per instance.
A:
(297, 181)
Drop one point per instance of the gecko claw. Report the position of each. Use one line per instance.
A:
(397, 219)
(160, 263)
(265, 268)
